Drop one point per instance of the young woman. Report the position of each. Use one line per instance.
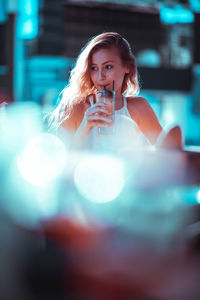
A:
(106, 60)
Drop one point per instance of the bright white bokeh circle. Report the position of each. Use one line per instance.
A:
(43, 159)
(99, 178)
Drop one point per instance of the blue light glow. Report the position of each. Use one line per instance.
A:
(175, 15)
(168, 116)
(99, 178)
(29, 9)
(149, 58)
(198, 196)
(27, 26)
(3, 8)
(195, 5)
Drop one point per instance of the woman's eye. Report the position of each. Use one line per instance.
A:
(93, 68)
(109, 67)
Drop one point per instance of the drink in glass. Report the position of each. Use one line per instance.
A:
(106, 97)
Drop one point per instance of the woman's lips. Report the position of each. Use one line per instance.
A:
(102, 87)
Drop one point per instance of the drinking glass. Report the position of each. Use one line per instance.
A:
(106, 97)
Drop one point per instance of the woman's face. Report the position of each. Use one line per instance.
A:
(106, 66)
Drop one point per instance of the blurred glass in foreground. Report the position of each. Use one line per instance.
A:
(120, 222)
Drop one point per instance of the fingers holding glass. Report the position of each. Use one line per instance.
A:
(100, 109)
(99, 116)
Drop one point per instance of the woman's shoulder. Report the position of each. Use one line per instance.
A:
(137, 103)
(145, 116)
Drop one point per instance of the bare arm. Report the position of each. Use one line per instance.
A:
(81, 121)
(145, 118)
(68, 130)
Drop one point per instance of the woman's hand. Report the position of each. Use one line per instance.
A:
(97, 115)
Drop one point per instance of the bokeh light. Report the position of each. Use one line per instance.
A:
(198, 196)
(177, 14)
(43, 159)
(21, 122)
(27, 204)
(99, 178)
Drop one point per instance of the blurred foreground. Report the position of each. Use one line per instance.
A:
(94, 225)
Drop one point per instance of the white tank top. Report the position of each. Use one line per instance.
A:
(125, 134)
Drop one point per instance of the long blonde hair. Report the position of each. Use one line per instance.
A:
(80, 85)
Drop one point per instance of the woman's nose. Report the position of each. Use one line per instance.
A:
(101, 74)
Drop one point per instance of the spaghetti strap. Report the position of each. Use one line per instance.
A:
(91, 99)
(125, 101)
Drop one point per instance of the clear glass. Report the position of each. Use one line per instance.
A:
(107, 98)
